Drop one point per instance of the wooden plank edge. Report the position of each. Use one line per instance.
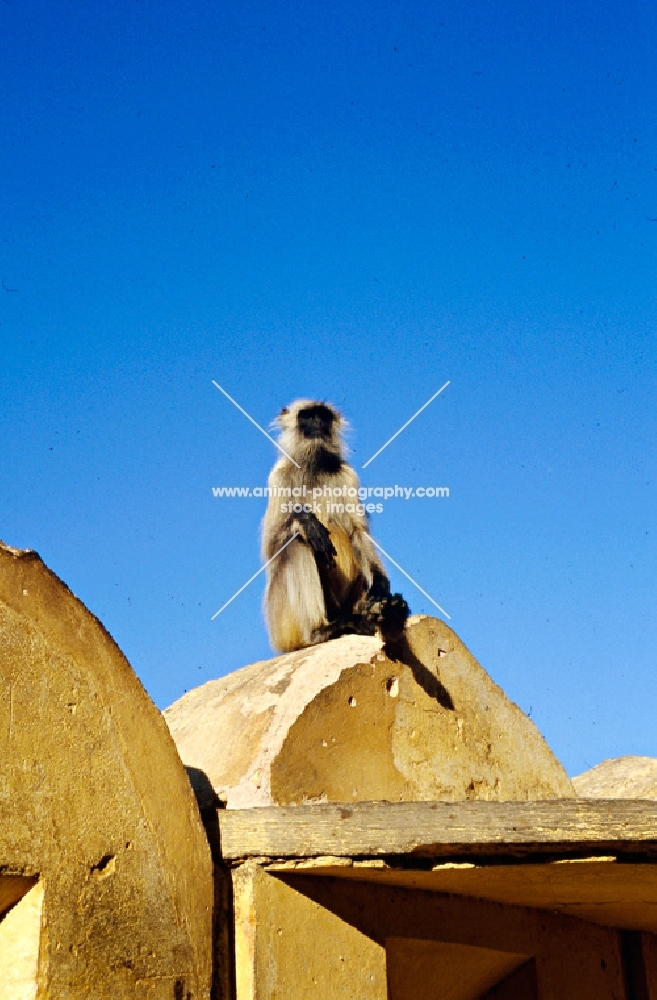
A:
(426, 829)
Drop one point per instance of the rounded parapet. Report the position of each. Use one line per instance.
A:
(103, 856)
(342, 722)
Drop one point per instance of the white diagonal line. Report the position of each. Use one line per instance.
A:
(237, 593)
(402, 428)
(442, 610)
(256, 424)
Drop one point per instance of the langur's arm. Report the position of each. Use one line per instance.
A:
(280, 526)
(316, 536)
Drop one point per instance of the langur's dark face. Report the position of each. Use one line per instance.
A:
(316, 422)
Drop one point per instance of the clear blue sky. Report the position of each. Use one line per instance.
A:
(354, 202)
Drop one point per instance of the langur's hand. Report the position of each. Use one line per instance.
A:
(318, 538)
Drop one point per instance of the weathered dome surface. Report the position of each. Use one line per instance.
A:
(341, 722)
(619, 778)
(103, 856)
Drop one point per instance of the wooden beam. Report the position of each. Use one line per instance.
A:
(432, 829)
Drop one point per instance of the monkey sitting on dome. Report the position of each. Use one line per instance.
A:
(327, 581)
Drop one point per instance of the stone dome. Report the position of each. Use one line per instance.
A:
(106, 870)
(619, 778)
(342, 722)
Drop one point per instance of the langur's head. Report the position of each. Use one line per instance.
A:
(310, 426)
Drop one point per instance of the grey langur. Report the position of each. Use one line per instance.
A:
(328, 581)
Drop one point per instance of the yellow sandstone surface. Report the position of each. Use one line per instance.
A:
(105, 870)
(341, 722)
(619, 778)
